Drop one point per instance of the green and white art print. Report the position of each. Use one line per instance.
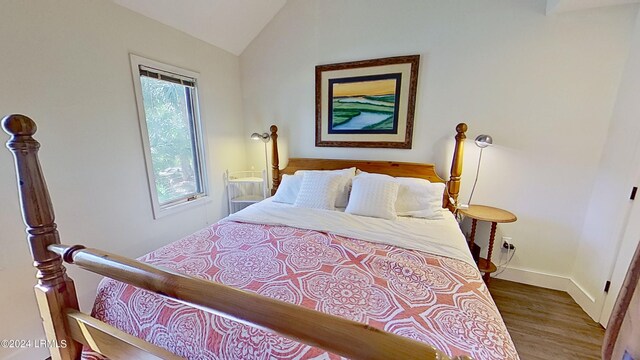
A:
(366, 103)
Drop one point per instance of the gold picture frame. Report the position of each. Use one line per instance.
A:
(368, 103)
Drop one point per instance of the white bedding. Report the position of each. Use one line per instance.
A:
(440, 237)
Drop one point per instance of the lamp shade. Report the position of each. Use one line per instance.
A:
(264, 137)
(482, 141)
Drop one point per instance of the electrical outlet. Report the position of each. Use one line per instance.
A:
(507, 243)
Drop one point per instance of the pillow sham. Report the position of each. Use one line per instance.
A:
(373, 195)
(419, 198)
(288, 189)
(318, 190)
(345, 184)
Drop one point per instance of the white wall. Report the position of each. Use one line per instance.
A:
(608, 211)
(543, 87)
(66, 64)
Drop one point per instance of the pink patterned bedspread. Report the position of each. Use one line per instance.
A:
(434, 299)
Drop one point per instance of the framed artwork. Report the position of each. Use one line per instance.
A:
(367, 103)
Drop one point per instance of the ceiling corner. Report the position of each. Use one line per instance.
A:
(561, 6)
(228, 24)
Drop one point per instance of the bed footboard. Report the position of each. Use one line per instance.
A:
(70, 328)
(335, 334)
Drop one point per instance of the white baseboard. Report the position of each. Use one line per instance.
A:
(535, 278)
(555, 282)
(587, 302)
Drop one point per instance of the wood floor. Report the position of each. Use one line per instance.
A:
(546, 324)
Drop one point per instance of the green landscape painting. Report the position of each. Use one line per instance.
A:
(364, 105)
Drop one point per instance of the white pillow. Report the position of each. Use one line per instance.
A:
(345, 184)
(419, 198)
(288, 189)
(318, 190)
(373, 195)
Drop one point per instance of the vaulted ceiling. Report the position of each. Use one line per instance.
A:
(227, 24)
(233, 24)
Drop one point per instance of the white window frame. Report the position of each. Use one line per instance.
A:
(160, 211)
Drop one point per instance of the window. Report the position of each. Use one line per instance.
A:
(171, 134)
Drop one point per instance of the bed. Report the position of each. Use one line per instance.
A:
(272, 281)
(272, 249)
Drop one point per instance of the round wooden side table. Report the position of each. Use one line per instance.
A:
(495, 216)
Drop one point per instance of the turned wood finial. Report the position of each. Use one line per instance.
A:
(19, 125)
(453, 186)
(461, 129)
(37, 211)
(275, 160)
(55, 292)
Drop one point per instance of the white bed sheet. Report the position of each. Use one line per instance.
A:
(440, 237)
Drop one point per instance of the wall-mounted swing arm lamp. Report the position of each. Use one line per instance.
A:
(482, 141)
(265, 137)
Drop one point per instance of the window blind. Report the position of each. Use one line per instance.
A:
(166, 76)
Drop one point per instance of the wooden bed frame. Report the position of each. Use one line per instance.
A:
(623, 329)
(67, 327)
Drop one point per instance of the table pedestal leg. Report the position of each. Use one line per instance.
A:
(492, 238)
(472, 237)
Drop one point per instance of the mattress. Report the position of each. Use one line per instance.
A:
(411, 277)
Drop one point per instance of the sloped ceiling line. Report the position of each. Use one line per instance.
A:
(228, 24)
(233, 24)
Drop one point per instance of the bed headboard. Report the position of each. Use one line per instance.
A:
(393, 168)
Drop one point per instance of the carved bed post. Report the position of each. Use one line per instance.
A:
(55, 292)
(453, 185)
(275, 160)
